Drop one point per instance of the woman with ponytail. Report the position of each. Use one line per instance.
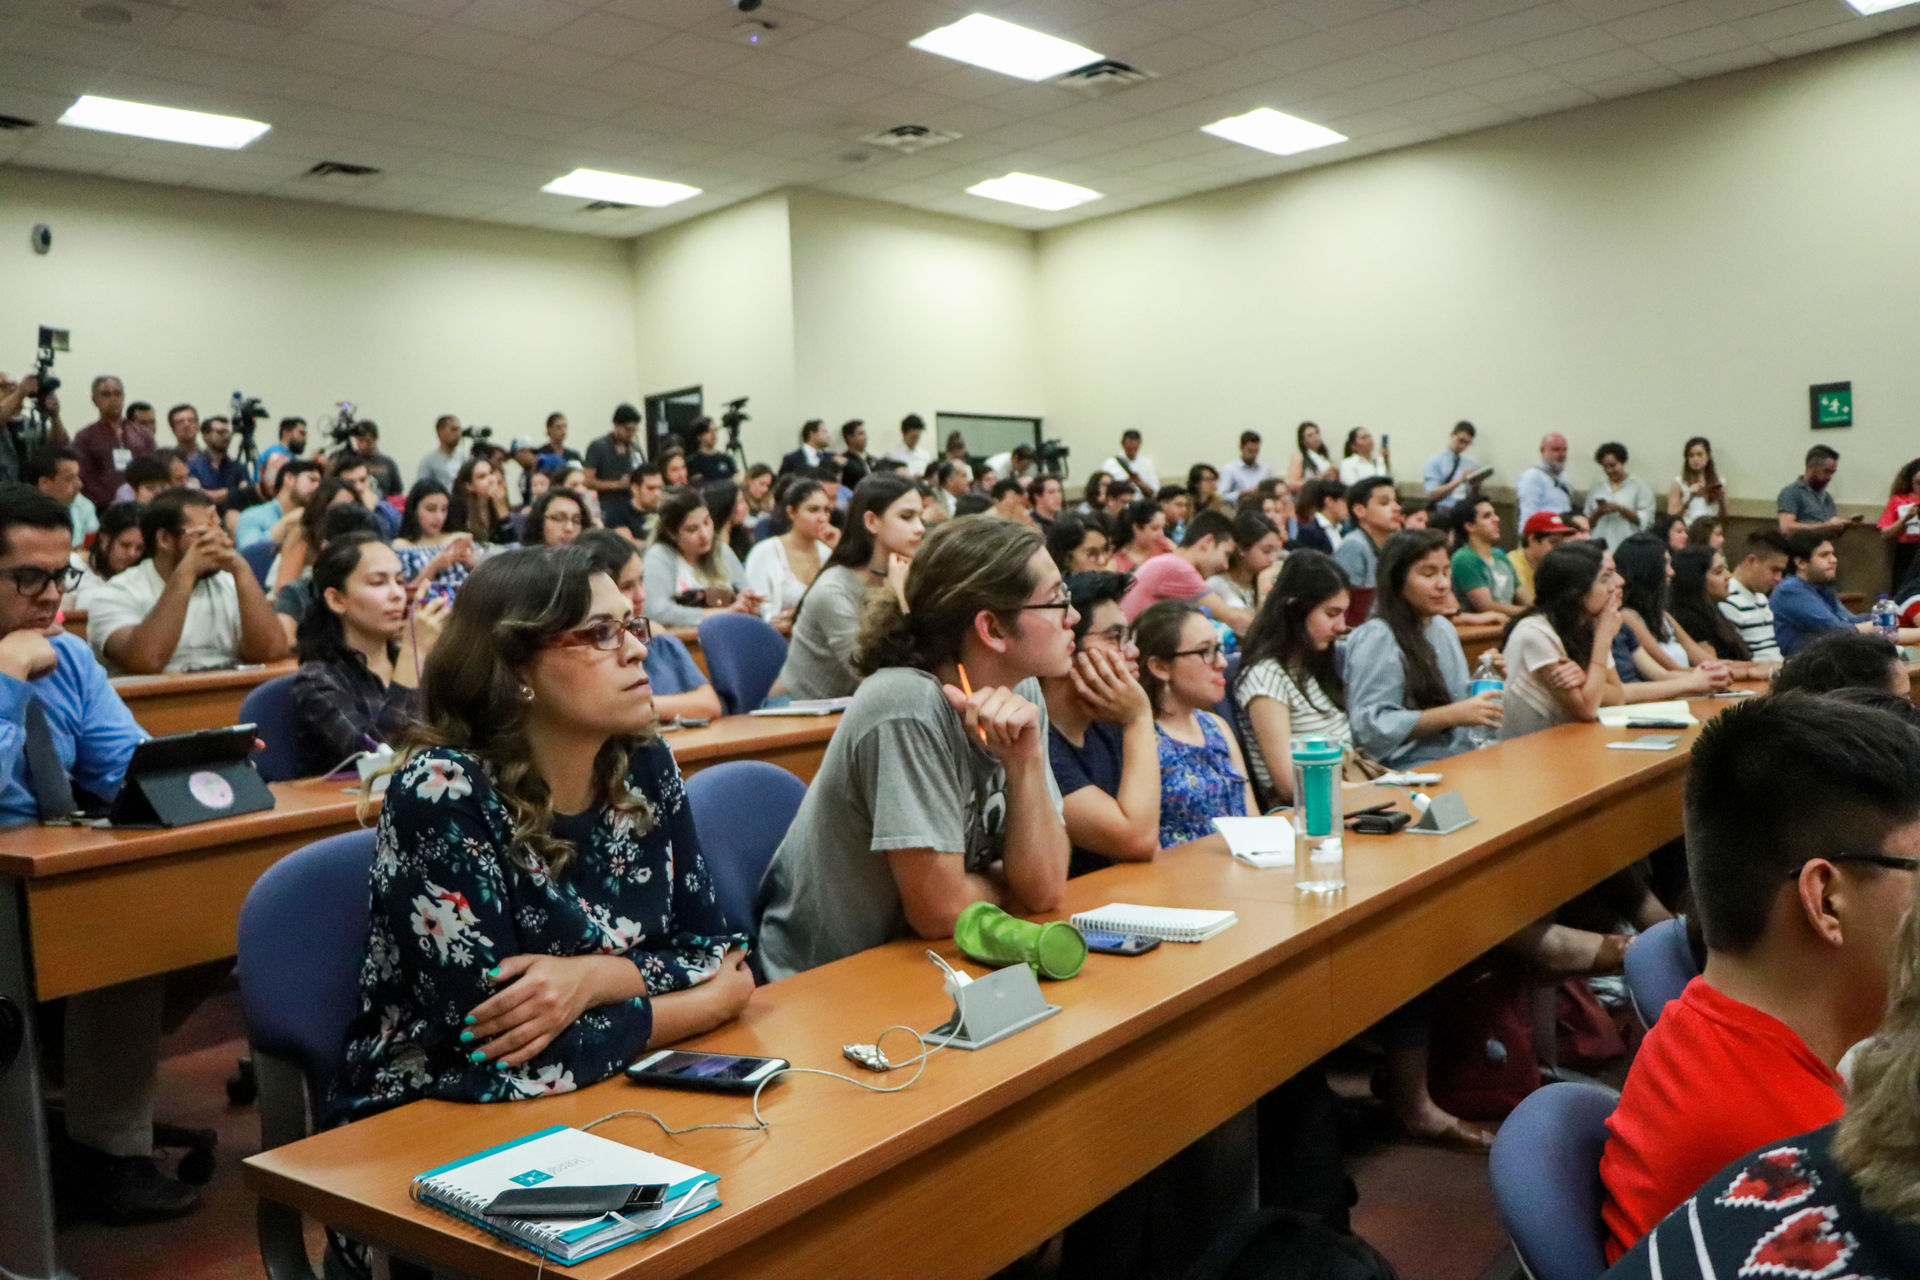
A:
(936, 791)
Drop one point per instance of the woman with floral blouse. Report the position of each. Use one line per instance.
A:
(541, 913)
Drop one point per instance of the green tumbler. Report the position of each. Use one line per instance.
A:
(988, 935)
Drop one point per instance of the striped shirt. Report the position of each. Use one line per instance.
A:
(1750, 612)
(1309, 714)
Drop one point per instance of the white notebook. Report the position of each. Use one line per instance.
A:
(1620, 717)
(1265, 842)
(805, 707)
(1169, 924)
(565, 1157)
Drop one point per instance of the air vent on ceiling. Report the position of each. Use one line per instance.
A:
(605, 206)
(1098, 79)
(15, 123)
(338, 173)
(908, 139)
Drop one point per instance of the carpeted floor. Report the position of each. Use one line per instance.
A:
(1427, 1210)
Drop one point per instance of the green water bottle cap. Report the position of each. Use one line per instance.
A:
(1315, 750)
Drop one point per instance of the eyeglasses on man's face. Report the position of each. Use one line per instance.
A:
(31, 580)
(1891, 861)
(606, 633)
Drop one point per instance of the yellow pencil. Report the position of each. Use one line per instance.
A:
(966, 687)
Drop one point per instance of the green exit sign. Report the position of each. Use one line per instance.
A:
(1831, 403)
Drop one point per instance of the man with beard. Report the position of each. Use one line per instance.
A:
(292, 444)
(193, 603)
(1542, 486)
(1806, 505)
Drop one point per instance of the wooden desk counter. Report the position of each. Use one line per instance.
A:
(795, 743)
(189, 883)
(1148, 1054)
(181, 703)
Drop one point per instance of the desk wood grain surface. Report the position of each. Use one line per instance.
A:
(186, 701)
(1148, 1054)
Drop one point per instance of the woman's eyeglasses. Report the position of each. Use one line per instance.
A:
(1207, 653)
(605, 634)
(30, 580)
(562, 517)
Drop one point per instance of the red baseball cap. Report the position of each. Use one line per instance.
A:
(1544, 524)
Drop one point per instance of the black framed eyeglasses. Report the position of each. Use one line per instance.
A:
(1063, 602)
(604, 634)
(1207, 653)
(1119, 637)
(30, 580)
(1891, 861)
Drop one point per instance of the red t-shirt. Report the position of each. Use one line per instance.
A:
(1165, 577)
(1890, 516)
(1714, 1079)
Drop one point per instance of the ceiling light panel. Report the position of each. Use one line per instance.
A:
(1273, 131)
(166, 124)
(621, 188)
(1033, 191)
(1005, 47)
(1871, 7)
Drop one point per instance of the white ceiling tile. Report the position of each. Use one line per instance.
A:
(367, 24)
(82, 48)
(1568, 46)
(1462, 13)
(1668, 20)
(1694, 45)
(552, 62)
(1598, 11)
(436, 10)
(768, 71)
(1556, 100)
(838, 46)
(1812, 41)
(824, 10)
(1747, 55)
(1793, 19)
(608, 34)
(469, 46)
(1311, 52)
(1393, 28)
(532, 19)
(1488, 66)
(318, 53)
(1334, 13)
(1520, 88)
(1638, 82)
(1176, 55)
(904, 66)
(1536, 23)
(1232, 74)
(693, 55)
(1264, 26)
(1605, 66)
(1728, 10)
(903, 20)
(210, 34)
(1445, 47)
(842, 88)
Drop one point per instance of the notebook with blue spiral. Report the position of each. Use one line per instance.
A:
(566, 1157)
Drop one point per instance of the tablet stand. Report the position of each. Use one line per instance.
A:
(1445, 814)
(992, 1008)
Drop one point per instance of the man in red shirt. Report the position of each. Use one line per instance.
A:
(1803, 835)
(1205, 547)
(107, 445)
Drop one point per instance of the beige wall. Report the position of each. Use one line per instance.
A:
(1684, 261)
(190, 295)
(713, 307)
(898, 311)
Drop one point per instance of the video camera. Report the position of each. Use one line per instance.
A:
(476, 433)
(1051, 456)
(734, 415)
(340, 427)
(51, 341)
(246, 412)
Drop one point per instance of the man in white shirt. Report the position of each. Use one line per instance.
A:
(1767, 555)
(192, 603)
(1249, 472)
(443, 464)
(1131, 464)
(1450, 475)
(1016, 463)
(910, 453)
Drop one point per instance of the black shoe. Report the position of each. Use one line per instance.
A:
(119, 1190)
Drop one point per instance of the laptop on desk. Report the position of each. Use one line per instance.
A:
(182, 779)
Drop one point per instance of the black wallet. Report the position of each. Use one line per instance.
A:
(577, 1202)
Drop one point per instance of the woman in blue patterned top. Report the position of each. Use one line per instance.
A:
(541, 913)
(1184, 671)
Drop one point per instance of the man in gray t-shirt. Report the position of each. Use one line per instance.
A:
(1806, 505)
(900, 773)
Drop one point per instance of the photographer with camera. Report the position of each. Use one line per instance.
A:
(443, 464)
(22, 434)
(109, 443)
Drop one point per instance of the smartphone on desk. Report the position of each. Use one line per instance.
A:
(707, 1072)
(1118, 944)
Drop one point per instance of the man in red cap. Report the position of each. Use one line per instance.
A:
(1543, 531)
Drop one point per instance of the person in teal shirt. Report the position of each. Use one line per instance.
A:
(1483, 578)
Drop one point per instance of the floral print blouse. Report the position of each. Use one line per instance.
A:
(1197, 784)
(448, 905)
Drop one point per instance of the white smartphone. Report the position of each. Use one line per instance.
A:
(708, 1072)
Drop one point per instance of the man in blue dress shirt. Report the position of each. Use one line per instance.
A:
(58, 712)
(1805, 604)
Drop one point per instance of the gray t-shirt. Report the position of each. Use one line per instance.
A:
(1805, 503)
(900, 773)
(1360, 558)
(820, 651)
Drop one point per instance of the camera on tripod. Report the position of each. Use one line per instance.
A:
(340, 428)
(1051, 456)
(476, 433)
(245, 413)
(734, 415)
(51, 341)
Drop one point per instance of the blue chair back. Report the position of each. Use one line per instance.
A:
(741, 812)
(259, 557)
(1227, 709)
(303, 936)
(1545, 1171)
(1659, 967)
(744, 656)
(269, 706)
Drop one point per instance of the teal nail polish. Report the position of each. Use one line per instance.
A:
(478, 1055)
(466, 1037)
(471, 1019)
(494, 972)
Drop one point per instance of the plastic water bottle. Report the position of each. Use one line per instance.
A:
(1486, 679)
(1886, 620)
(1319, 859)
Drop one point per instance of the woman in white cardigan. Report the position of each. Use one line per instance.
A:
(781, 568)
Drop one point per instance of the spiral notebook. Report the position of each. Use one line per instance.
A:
(1169, 924)
(561, 1156)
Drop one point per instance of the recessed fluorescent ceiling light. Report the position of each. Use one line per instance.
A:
(621, 188)
(168, 124)
(1274, 131)
(1005, 47)
(1870, 7)
(1034, 192)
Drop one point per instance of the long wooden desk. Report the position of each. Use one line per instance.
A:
(192, 700)
(82, 909)
(1149, 1053)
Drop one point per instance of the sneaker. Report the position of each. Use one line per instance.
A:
(119, 1190)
